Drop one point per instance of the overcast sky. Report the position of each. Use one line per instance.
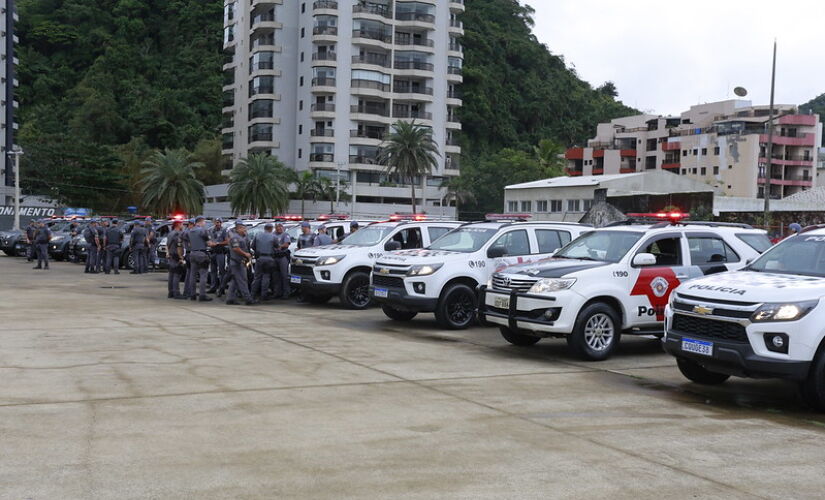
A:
(666, 56)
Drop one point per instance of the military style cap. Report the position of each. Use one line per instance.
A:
(199, 218)
(218, 219)
(353, 224)
(268, 226)
(305, 224)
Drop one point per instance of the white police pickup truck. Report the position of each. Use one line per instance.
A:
(344, 269)
(612, 280)
(767, 320)
(443, 277)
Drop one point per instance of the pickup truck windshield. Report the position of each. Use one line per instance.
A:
(803, 255)
(367, 237)
(605, 246)
(464, 239)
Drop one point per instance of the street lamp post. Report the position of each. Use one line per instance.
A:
(766, 191)
(16, 152)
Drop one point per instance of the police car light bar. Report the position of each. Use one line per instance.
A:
(326, 217)
(674, 217)
(413, 217)
(504, 217)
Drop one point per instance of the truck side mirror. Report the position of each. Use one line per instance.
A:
(644, 260)
(496, 252)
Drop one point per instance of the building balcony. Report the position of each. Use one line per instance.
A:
(368, 134)
(796, 161)
(322, 157)
(573, 173)
(414, 65)
(671, 146)
(598, 171)
(783, 140)
(627, 153)
(369, 110)
(325, 30)
(415, 115)
(574, 154)
(325, 4)
(375, 35)
(327, 56)
(415, 17)
(261, 137)
(794, 181)
(372, 10)
(323, 84)
(800, 120)
(326, 132)
(372, 59)
(262, 89)
(457, 6)
(369, 85)
(627, 170)
(414, 42)
(409, 89)
(363, 160)
(598, 153)
(671, 166)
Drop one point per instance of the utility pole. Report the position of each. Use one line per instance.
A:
(16, 152)
(769, 152)
(338, 185)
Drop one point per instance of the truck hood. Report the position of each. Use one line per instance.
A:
(326, 250)
(422, 256)
(755, 287)
(553, 268)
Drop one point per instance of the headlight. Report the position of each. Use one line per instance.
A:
(329, 261)
(551, 285)
(424, 269)
(783, 312)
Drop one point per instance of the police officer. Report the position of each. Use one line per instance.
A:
(353, 226)
(137, 245)
(264, 246)
(102, 227)
(41, 242)
(239, 257)
(306, 239)
(74, 228)
(322, 238)
(282, 240)
(217, 261)
(184, 237)
(112, 242)
(92, 237)
(199, 260)
(31, 230)
(152, 245)
(174, 260)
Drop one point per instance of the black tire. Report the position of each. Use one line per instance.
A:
(128, 261)
(695, 372)
(596, 333)
(456, 309)
(518, 338)
(317, 299)
(355, 291)
(812, 389)
(397, 314)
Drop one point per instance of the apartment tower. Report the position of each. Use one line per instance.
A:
(8, 105)
(319, 83)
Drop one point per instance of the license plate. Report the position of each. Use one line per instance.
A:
(697, 346)
(295, 279)
(382, 293)
(501, 302)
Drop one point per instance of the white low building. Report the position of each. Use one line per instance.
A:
(569, 198)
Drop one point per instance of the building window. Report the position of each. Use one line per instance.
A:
(302, 57)
(303, 32)
(541, 205)
(300, 152)
(730, 167)
(303, 8)
(300, 105)
(695, 152)
(587, 205)
(715, 170)
(526, 206)
(704, 171)
(716, 150)
(704, 151)
(301, 82)
(512, 206)
(684, 152)
(300, 129)
(683, 171)
(555, 206)
(573, 205)
(693, 171)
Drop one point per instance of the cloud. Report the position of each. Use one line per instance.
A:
(667, 56)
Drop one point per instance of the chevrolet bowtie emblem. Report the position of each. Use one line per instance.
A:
(703, 310)
(384, 270)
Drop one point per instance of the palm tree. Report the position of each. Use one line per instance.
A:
(454, 191)
(169, 183)
(307, 186)
(328, 190)
(259, 184)
(409, 152)
(549, 154)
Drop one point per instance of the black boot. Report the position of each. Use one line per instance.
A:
(204, 298)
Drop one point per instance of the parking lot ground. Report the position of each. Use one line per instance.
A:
(109, 390)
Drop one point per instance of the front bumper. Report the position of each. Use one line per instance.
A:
(736, 358)
(399, 298)
(528, 312)
(312, 286)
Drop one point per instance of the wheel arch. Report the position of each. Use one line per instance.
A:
(464, 280)
(611, 301)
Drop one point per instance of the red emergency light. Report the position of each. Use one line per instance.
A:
(178, 217)
(405, 217)
(326, 217)
(674, 217)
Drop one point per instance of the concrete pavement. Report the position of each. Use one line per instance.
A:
(109, 390)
